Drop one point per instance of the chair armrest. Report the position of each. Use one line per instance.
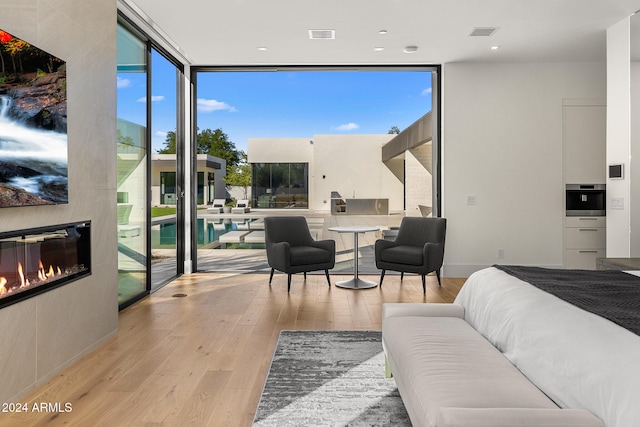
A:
(433, 254)
(516, 417)
(399, 309)
(381, 245)
(279, 255)
(329, 245)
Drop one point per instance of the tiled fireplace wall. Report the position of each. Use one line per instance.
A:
(44, 334)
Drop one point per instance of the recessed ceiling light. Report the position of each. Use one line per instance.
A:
(378, 49)
(382, 32)
(495, 47)
(410, 49)
(262, 49)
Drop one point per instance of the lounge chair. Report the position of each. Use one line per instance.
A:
(242, 206)
(216, 206)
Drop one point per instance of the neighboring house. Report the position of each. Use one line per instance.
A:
(304, 172)
(210, 185)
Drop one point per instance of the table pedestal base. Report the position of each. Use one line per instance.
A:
(356, 283)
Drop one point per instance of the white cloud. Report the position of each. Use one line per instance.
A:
(347, 126)
(161, 134)
(122, 83)
(154, 98)
(208, 105)
(426, 92)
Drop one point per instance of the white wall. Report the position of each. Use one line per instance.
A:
(279, 150)
(618, 136)
(634, 161)
(352, 166)
(41, 335)
(502, 143)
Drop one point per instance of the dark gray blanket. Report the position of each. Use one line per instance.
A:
(614, 295)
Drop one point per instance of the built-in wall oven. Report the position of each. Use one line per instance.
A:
(586, 200)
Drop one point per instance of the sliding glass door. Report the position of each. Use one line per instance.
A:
(165, 179)
(149, 179)
(297, 129)
(132, 175)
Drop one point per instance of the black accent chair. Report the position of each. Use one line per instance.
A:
(418, 248)
(291, 249)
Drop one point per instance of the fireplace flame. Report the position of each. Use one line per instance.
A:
(46, 274)
(41, 273)
(43, 276)
(24, 282)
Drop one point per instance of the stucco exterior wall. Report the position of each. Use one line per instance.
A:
(418, 179)
(352, 165)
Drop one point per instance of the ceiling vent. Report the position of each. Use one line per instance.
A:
(483, 31)
(322, 34)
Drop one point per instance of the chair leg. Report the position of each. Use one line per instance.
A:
(381, 277)
(424, 284)
(401, 275)
(288, 282)
(438, 276)
(305, 275)
(271, 276)
(326, 273)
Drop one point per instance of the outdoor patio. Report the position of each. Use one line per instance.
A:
(255, 260)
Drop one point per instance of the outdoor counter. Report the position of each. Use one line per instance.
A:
(340, 206)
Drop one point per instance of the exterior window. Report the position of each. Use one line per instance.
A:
(201, 188)
(280, 185)
(211, 186)
(167, 188)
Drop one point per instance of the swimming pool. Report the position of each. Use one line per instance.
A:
(163, 235)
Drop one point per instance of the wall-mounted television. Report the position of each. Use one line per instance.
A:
(33, 125)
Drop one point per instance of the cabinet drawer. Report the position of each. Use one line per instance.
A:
(585, 238)
(585, 221)
(582, 259)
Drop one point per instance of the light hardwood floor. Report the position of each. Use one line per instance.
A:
(202, 359)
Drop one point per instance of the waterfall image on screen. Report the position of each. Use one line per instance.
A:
(33, 125)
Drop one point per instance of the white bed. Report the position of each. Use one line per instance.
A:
(580, 360)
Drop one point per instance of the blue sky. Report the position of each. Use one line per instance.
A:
(282, 104)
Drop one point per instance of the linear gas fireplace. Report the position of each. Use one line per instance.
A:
(41, 259)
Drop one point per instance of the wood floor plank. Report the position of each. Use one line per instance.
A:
(202, 359)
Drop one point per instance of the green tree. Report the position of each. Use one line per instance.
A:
(169, 144)
(213, 142)
(216, 143)
(240, 175)
(394, 130)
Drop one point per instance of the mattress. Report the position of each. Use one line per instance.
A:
(578, 359)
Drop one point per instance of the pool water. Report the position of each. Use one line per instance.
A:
(208, 236)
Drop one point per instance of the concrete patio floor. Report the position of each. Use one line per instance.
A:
(255, 260)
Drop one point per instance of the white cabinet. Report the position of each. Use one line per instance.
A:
(584, 241)
(584, 128)
(584, 140)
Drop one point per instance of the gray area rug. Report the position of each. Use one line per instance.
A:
(329, 378)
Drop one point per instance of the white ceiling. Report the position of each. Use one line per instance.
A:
(211, 32)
